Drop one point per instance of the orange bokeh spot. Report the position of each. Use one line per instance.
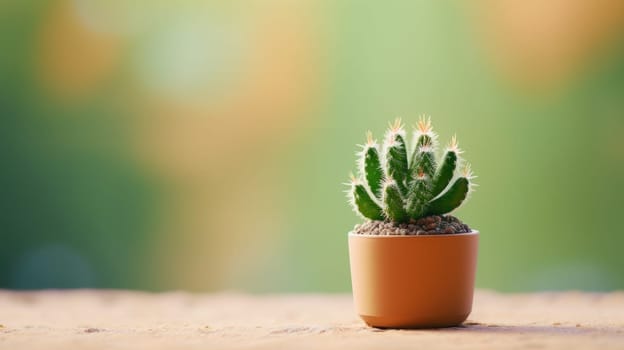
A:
(541, 44)
(73, 58)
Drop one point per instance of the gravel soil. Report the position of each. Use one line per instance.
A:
(428, 225)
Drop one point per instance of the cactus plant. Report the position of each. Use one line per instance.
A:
(399, 184)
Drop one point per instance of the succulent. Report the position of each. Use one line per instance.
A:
(400, 184)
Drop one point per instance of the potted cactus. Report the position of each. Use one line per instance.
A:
(412, 264)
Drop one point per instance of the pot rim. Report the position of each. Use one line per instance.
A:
(439, 235)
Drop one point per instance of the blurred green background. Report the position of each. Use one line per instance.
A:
(201, 145)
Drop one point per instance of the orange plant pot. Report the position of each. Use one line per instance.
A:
(420, 281)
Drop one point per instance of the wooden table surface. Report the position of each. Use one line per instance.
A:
(87, 319)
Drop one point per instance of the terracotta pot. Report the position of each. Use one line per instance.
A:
(413, 281)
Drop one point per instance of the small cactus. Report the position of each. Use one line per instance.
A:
(398, 184)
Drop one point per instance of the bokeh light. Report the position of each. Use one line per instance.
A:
(202, 145)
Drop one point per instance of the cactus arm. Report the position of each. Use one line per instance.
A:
(423, 139)
(424, 160)
(393, 203)
(451, 199)
(420, 141)
(363, 204)
(372, 170)
(445, 172)
(418, 196)
(423, 156)
(424, 169)
(396, 162)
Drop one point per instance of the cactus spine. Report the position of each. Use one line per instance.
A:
(401, 188)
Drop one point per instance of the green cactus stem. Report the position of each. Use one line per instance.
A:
(422, 140)
(363, 203)
(423, 156)
(393, 203)
(445, 171)
(451, 199)
(424, 160)
(372, 170)
(396, 156)
(418, 196)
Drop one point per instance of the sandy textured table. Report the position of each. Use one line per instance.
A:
(128, 320)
